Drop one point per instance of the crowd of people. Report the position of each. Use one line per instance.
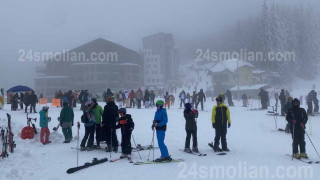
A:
(101, 123)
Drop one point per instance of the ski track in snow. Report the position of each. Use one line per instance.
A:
(252, 139)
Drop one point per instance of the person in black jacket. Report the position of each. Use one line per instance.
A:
(283, 100)
(298, 118)
(33, 101)
(191, 128)
(201, 98)
(127, 125)
(109, 119)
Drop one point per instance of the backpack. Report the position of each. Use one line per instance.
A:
(84, 118)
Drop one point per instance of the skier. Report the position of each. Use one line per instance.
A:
(167, 100)
(191, 128)
(98, 112)
(109, 119)
(139, 96)
(88, 118)
(146, 98)
(194, 99)
(66, 121)
(44, 120)
(131, 97)
(229, 97)
(182, 97)
(21, 100)
(316, 103)
(127, 125)
(220, 121)
(152, 96)
(263, 94)
(160, 124)
(282, 99)
(172, 99)
(244, 100)
(201, 98)
(298, 118)
(310, 98)
(286, 108)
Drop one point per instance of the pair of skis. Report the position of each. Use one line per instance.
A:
(193, 153)
(304, 160)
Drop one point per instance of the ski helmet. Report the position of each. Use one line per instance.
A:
(45, 108)
(188, 106)
(122, 111)
(159, 103)
(219, 99)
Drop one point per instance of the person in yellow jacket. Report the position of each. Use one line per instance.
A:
(220, 121)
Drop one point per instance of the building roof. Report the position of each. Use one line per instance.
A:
(51, 77)
(249, 87)
(231, 65)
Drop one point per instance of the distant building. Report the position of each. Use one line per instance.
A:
(95, 66)
(152, 71)
(162, 44)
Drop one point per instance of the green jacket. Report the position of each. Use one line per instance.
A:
(66, 116)
(98, 111)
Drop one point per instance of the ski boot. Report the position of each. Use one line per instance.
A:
(195, 149)
(89, 148)
(123, 156)
(161, 159)
(225, 149)
(108, 149)
(82, 148)
(304, 155)
(217, 149)
(297, 156)
(115, 149)
(187, 150)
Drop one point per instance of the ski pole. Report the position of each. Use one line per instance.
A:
(311, 142)
(111, 143)
(151, 144)
(293, 138)
(78, 144)
(136, 146)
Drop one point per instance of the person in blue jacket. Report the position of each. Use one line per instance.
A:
(160, 124)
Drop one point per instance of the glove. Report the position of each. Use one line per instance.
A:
(49, 119)
(302, 125)
(131, 129)
(213, 125)
(72, 123)
(294, 121)
(152, 127)
(229, 125)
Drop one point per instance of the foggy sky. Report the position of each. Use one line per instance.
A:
(54, 25)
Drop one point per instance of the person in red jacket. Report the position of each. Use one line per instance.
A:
(131, 97)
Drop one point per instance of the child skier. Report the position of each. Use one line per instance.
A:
(160, 123)
(44, 120)
(191, 128)
(127, 125)
(298, 118)
(89, 121)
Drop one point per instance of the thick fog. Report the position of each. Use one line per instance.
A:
(53, 25)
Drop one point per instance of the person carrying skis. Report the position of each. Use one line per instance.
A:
(98, 112)
(127, 125)
(66, 121)
(160, 124)
(88, 118)
(298, 118)
(191, 128)
(220, 121)
(44, 120)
